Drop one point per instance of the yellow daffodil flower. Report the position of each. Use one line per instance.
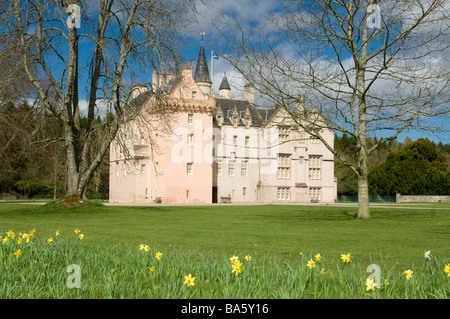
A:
(236, 268)
(318, 257)
(346, 258)
(81, 236)
(18, 253)
(311, 264)
(57, 234)
(77, 231)
(50, 241)
(322, 271)
(370, 284)
(158, 255)
(408, 273)
(447, 269)
(189, 280)
(248, 258)
(234, 259)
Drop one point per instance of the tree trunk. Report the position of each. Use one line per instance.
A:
(363, 190)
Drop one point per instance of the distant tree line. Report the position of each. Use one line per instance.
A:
(32, 162)
(419, 167)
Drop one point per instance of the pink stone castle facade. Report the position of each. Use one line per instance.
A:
(206, 148)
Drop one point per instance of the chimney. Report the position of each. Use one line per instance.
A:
(154, 79)
(249, 93)
(138, 89)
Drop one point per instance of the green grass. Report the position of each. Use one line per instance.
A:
(201, 239)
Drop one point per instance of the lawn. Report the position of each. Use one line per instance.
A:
(395, 235)
(392, 238)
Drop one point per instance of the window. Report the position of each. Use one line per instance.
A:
(219, 169)
(235, 140)
(117, 168)
(314, 140)
(244, 191)
(143, 168)
(283, 134)
(194, 95)
(190, 118)
(284, 166)
(283, 193)
(314, 193)
(247, 141)
(189, 168)
(231, 169)
(190, 139)
(244, 165)
(315, 163)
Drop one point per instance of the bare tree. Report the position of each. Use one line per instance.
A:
(92, 48)
(363, 67)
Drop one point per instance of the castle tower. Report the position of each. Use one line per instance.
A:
(224, 89)
(201, 75)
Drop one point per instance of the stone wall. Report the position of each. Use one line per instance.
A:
(422, 198)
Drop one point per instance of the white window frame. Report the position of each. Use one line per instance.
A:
(284, 166)
(284, 193)
(244, 168)
(315, 167)
(315, 193)
(190, 139)
(231, 168)
(189, 169)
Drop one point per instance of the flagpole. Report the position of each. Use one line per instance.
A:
(212, 65)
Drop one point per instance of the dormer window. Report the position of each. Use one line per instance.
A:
(194, 95)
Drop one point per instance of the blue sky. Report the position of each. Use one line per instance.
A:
(249, 10)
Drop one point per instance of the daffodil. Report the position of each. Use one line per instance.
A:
(151, 269)
(158, 255)
(57, 233)
(318, 257)
(447, 269)
(311, 264)
(81, 236)
(50, 241)
(189, 280)
(408, 273)
(346, 258)
(370, 284)
(19, 240)
(18, 253)
(234, 259)
(322, 271)
(77, 231)
(236, 268)
(5, 240)
(427, 255)
(248, 257)
(300, 253)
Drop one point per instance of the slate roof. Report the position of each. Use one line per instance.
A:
(224, 85)
(227, 106)
(201, 70)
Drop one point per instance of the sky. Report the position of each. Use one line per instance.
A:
(250, 11)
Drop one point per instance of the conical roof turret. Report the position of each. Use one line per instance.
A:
(224, 85)
(201, 71)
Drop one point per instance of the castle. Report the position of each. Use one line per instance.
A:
(208, 148)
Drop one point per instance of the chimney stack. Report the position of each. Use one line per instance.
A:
(249, 93)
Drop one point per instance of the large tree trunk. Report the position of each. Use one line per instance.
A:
(363, 188)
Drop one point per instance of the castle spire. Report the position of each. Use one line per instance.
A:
(201, 71)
